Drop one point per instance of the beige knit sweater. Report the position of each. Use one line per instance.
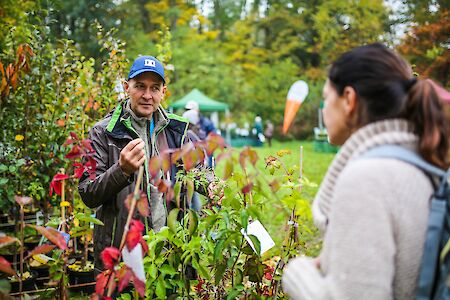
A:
(373, 213)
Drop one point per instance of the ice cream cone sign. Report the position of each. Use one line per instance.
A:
(296, 95)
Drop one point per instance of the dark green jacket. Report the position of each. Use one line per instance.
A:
(111, 186)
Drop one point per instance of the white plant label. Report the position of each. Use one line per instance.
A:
(257, 229)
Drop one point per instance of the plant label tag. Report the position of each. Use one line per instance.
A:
(39, 218)
(135, 261)
(257, 229)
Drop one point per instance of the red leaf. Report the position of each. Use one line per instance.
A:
(110, 257)
(189, 158)
(128, 201)
(59, 177)
(140, 286)
(144, 247)
(214, 141)
(247, 189)
(249, 154)
(5, 266)
(102, 280)
(169, 196)
(223, 155)
(7, 240)
(69, 141)
(94, 296)
(91, 166)
(154, 166)
(78, 170)
(41, 249)
(52, 235)
(175, 157)
(253, 156)
(163, 185)
(124, 275)
(134, 235)
(75, 152)
(74, 136)
(142, 205)
(87, 144)
(200, 154)
(55, 184)
(165, 161)
(22, 201)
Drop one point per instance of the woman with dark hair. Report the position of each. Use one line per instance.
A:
(373, 211)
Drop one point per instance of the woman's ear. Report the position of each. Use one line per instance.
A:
(350, 100)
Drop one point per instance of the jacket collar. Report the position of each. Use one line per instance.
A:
(117, 126)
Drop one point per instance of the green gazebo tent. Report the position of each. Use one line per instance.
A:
(204, 102)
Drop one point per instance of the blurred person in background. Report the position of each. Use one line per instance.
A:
(202, 126)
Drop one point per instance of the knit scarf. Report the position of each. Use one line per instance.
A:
(391, 131)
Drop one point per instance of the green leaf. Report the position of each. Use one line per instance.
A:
(201, 270)
(190, 188)
(220, 270)
(218, 255)
(256, 243)
(161, 288)
(233, 294)
(5, 286)
(228, 169)
(20, 162)
(193, 222)
(3, 168)
(3, 181)
(244, 219)
(168, 269)
(238, 276)
(172, 221)
(152, 271)
(176, 191)
(12, 169)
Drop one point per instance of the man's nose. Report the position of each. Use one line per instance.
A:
(147, 94)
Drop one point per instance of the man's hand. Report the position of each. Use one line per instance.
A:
(132, 156)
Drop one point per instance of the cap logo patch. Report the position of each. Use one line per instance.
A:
(149, 63)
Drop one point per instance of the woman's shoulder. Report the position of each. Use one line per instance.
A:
(384, 178)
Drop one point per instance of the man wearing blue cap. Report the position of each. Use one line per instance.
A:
(136, 130)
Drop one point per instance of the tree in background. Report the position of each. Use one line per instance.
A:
(426, 45)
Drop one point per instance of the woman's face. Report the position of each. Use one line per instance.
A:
(335, 115)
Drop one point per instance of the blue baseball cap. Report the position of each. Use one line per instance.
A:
(146, 64)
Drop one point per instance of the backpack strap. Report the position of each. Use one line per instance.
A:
(406, 155)
(438, 211)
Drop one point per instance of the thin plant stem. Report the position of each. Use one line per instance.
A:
(136, 195)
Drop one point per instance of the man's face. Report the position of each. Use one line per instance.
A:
(146, 91)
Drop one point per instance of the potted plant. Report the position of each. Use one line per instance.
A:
(82, 269)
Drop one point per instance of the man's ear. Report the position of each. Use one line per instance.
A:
(350, 100)
(164, 89)
(126, 85)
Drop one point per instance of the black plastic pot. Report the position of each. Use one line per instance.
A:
(8, 227)
(4, 218)
(32, 242)
(27, 285)
(76, 278)
(42, 275)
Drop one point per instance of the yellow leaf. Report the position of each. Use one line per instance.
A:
(65, 203)
(19, 137)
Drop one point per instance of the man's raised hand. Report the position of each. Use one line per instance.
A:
(132, 156)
